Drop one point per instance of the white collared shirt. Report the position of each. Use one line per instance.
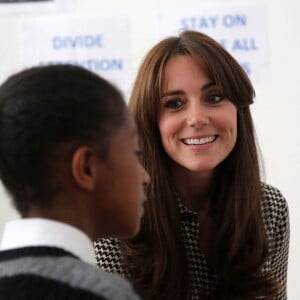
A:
(45, 232)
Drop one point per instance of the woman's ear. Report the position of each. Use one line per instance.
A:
(84, 168)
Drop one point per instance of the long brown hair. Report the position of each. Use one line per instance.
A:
(156, 258)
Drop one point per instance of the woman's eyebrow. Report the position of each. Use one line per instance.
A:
(208, 85)
(172, 93)
(205, 87)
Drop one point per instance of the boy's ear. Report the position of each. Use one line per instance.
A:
(84, 167)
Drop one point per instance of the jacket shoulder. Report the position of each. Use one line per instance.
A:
(108, 255)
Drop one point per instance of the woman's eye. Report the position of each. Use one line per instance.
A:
(174, 103)
(215, 98)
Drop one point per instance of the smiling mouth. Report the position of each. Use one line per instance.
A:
(200, 141)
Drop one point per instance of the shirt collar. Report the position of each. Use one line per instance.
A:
(44, 232)
(183, 209)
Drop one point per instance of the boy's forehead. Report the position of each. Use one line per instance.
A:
(128, 128)
(131, 123)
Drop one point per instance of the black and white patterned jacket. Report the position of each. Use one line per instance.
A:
(276, 219)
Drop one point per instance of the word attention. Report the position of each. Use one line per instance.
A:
(95, 65)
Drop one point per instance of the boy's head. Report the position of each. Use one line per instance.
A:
(58, 129)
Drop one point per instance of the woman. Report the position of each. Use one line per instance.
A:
(212, 229)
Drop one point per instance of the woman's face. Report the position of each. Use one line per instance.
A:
(198, 126)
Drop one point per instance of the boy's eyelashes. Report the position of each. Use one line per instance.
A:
(139, 154)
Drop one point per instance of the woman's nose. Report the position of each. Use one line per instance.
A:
(197, 116)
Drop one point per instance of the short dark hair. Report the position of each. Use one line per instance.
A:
(44, 108)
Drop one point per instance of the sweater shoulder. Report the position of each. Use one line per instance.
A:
(67, 271)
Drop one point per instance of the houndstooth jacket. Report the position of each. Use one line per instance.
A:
(276, 220)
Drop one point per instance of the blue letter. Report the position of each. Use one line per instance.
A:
(56, 42)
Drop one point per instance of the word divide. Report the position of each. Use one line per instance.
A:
(212, 22)
(77, 41)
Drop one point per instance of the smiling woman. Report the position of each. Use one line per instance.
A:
(212, 229)
(197, 124)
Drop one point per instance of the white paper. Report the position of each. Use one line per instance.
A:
(97, 43)
(240, 28)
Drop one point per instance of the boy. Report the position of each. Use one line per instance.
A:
(69, 158)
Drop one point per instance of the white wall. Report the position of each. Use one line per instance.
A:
(276, 111)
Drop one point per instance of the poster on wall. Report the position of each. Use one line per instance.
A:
(240, 27)
(35, 6)
(99, 44)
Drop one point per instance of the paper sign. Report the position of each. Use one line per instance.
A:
(97, 43)
(240, 28)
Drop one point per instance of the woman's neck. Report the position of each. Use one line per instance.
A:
(193, 188)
